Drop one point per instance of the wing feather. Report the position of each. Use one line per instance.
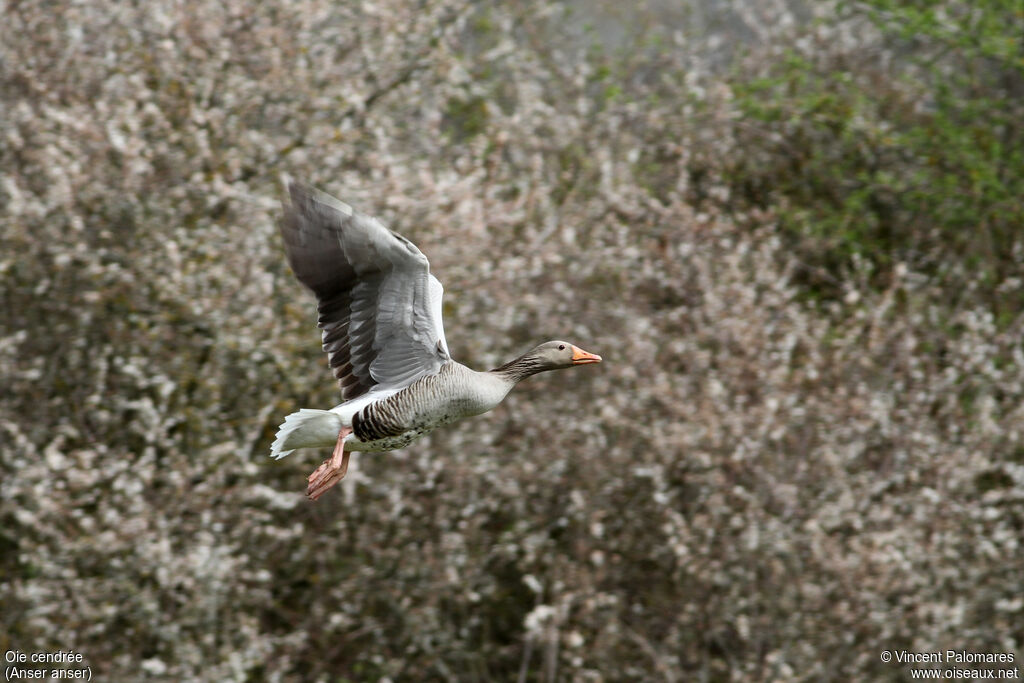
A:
(379, 306)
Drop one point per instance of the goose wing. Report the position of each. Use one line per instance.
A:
(380, 308)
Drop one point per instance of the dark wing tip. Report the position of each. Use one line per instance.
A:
(312, 203)
(299, 192)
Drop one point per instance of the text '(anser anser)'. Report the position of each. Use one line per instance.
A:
(380, 312)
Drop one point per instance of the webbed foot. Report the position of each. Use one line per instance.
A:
(332, 470)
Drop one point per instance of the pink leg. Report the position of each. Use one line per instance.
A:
(332, 470)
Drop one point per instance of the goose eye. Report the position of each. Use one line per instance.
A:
(561, 347)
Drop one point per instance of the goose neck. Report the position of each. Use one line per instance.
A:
(518, 369)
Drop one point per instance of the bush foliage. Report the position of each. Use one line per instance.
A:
(907, 153)
(800, 262)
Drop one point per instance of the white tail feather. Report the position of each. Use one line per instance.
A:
(307, 428)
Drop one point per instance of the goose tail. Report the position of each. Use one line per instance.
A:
(307, 428)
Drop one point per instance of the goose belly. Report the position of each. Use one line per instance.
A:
(373, 432)
(430, 402)
(388, 443)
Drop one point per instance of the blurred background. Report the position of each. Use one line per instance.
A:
(794, 232)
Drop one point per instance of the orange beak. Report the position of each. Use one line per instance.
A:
(581, 357)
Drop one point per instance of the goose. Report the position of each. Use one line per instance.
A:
(380, 315)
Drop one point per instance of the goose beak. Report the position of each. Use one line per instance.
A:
(581, 357)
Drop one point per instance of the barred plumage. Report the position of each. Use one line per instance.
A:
(376, 421)
(427, 403)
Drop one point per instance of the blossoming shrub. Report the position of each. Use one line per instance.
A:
(764, 479)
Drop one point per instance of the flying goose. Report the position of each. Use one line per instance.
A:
(380, 312)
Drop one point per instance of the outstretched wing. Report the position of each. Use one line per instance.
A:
(380, 308)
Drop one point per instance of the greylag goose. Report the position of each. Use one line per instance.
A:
(380, 312)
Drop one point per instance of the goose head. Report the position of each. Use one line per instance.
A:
(552, 355)
(555, 355)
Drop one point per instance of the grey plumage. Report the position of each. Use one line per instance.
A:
(380, 313)
(374, 293)
(431, 401)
